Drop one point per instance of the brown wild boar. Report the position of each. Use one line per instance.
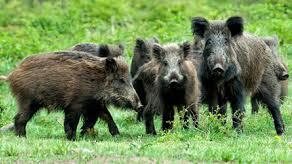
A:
(281, 71)
(176, 84)
(234, 65)
(142, 54)
(144, 83)
(77, 82)
(102, 50)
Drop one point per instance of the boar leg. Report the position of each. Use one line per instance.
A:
(105, 115)
(195, 115)
(221, 114)
(90, 117)
(138, 86)
(254, 104)
(212, 100)
(72, 116)
(27, 109)
(167, 118)
(236, 94)
(139, 117)
(273, 106)
(185, 117)
(149, 122)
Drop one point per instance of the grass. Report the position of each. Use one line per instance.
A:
(30, 28)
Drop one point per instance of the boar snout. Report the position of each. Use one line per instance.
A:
(284, 76)
(218, 69)
(137, 105)
(174, 79)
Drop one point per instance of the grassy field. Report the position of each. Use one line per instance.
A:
(29, 28)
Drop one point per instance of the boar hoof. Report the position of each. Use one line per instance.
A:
(114, 132)
(152, 132)
(239, 130)
(20, 133)
(140, 116)
(280, 131)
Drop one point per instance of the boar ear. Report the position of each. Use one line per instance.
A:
(235, 25)
(111, 65)
(122, 47)
(155, 39)
(140, 45)
(158, 52)
(104, 50)
(186, 47)
(271, 41)
(199, 26)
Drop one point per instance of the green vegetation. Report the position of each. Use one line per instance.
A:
(28, 28)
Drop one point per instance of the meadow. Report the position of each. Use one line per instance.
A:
(35, 26)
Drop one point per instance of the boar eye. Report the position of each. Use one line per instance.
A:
(165, 63)
(179, 62)
(208, 41)
(122, 81)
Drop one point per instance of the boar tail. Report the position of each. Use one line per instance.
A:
(3, 78)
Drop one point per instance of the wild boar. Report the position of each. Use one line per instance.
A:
(234, 65)
(76, 82)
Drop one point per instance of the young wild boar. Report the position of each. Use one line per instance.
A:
(176, 84)
(142, 53)
(281, 71)
(236, 64)
(102, 50)
(77, 82)
(144, 83)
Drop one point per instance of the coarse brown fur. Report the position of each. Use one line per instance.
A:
(144, 83)
(102, 50)
(143, 52)
(75, 82)
(179, 87)
(281, 72)
(236, 64)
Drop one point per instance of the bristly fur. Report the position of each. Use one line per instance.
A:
(77, 83)
(163, 98)
(102, 50)
(248, 68)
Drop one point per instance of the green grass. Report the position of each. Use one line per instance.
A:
(33, 28)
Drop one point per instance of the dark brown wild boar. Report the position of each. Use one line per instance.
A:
(144, 83)
(143, 54)
(281, 71)
(77, 82)
(234, 65)
(102, 50)
(176, 84)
